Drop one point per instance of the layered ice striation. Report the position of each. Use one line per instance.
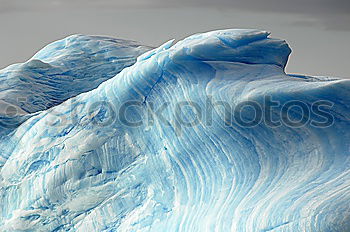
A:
(208, 134)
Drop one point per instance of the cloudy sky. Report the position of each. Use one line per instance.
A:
(318, 31)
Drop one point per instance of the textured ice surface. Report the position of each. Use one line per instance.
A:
(79, 165)
(60, 71)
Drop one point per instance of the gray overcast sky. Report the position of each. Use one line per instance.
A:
(318, 31)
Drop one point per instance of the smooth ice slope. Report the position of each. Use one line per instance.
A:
(82, 166)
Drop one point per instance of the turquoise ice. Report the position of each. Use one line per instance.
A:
(100, 134)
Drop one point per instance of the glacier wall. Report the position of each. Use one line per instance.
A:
(208, 134)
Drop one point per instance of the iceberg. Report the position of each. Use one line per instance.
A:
(207, 134)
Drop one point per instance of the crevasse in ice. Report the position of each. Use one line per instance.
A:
(208, 134)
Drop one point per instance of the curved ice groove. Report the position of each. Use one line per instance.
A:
(170, 177)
